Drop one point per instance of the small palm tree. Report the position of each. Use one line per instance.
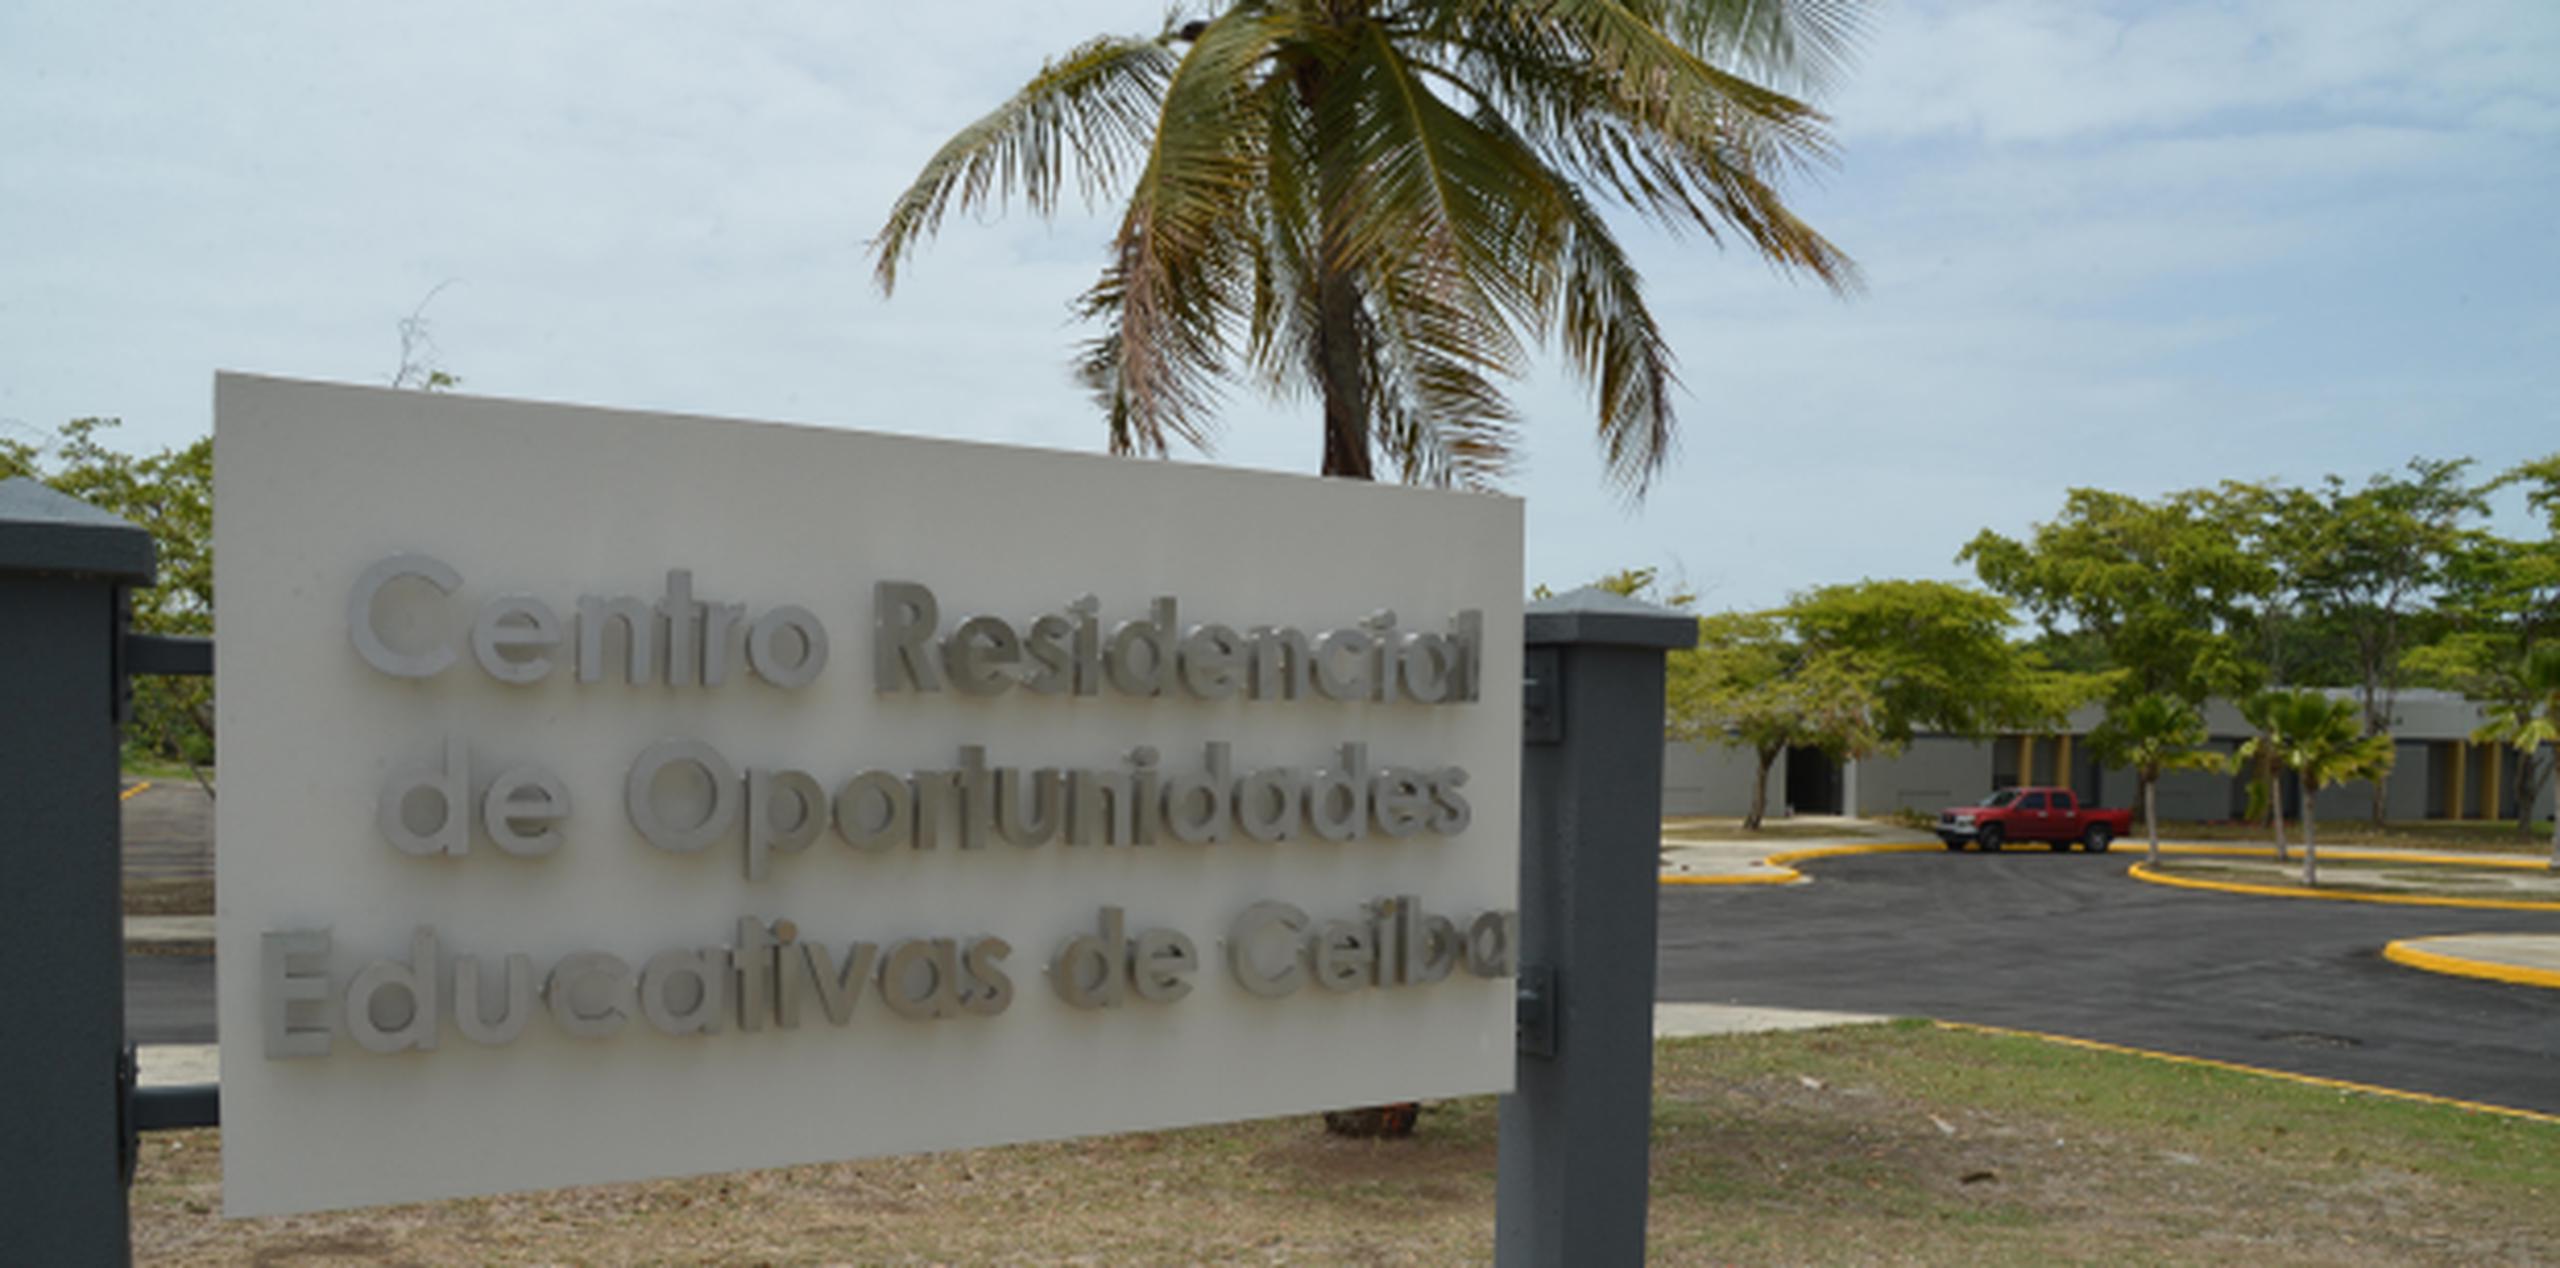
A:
(2154, 734)
(2531, 722)
(2323, 742)
(2259, 755)
(1391, 202)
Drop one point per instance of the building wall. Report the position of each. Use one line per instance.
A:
(1712, 779)
(1935, 771)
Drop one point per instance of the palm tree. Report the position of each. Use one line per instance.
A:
(2323, 742)
(2531, 722)
(2154, 734)
(1389, 202)
(2260, 754)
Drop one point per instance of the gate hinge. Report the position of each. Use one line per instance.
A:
(1534, 1022)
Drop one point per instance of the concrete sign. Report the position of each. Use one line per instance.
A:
(613, 795)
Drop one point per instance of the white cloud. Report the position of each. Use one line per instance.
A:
(2145, 246)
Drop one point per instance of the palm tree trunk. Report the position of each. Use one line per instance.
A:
(1341, 361)
(2275, 810)
(1760, 790)
(2151, 815)
(2528, 782)
(1346, 382)
(2527, 810)
(2310, 847)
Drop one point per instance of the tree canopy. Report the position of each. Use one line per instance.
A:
(1391, 204)
(169, 494)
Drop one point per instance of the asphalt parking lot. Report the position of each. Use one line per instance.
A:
(2062, 943)
(2067, 944)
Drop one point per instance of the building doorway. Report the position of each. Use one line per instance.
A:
(1813, 782)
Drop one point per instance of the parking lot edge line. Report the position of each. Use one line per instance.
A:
(2143, 872)
(138, 786)
(2312, 1080)
(2402, 953)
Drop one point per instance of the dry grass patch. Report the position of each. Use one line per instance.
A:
(1898, 1144)
(2485, 835)
(2373, 876)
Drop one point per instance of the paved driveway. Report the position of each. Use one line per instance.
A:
(2066, 943)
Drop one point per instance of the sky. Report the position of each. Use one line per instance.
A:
(2135, 246)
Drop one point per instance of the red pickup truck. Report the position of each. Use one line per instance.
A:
(2051, 815)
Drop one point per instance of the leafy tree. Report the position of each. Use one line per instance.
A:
(1750, 683)
(1936, 656)
(2528, 724)
(1857, 669)
(2166, 588)
(2323, 742)
(2153, 734)
(2501, 600)
(169, 494)
(2381, 551)
(1387, 203)
(2279, 528)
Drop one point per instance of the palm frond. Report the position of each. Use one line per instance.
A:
(1092, 108)
(1808, 42)
(1619, 102)
(1182, 258)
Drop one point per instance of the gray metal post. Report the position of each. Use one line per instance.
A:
(1576, 1131)
(63, 568)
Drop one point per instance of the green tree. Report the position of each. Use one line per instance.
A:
(2527, 724)
(2323, 742)
(169, 494)
(2168, 589)
(1936, 656)
(2500, 603)
(2153, 735)
(1389, 203)
(1750, 683)
(2279, 528)
(2381, 553)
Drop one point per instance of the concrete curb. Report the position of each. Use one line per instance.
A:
(1786, 875)
(2143, 872)
(2310, 1080)
(2411, 953)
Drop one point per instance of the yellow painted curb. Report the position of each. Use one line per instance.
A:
(2312, 1080)
(2408, 953)
(127, 794)
(2143, 872)
(2364, 854)
(1785, 875)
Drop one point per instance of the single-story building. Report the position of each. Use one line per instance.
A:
(2440, 772)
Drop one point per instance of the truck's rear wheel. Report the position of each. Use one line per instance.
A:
(1989, 838)
(2097, 838)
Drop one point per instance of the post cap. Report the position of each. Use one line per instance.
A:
(45, 530)
(1594, 615)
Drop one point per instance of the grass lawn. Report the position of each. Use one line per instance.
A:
(2360, 876)
(2489, 836)
(1904, 1143)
